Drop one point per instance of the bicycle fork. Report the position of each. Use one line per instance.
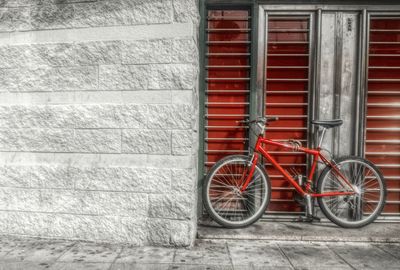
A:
(252, 165)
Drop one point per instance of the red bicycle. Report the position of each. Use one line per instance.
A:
(351, 191)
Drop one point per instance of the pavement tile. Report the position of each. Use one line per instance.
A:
(200, 267)
(20, 252)
(254, 253)
(365, 256)
(393, 249)
(263, 267)
(79, 266)
(312, 256)
(146, 255)
(23, 266)
(204, 252)
(91, 252)
(7, 245)
(38, 251)
(139, 266)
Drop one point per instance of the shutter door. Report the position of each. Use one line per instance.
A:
(382, 145)
(227, 84)
(287, 84)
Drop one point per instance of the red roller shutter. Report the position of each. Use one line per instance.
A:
(227, 83)
(287, 83)
(382, 145)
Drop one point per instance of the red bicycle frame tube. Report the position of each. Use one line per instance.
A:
(316, 156)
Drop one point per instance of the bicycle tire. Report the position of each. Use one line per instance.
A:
(227, 217)
(353, 212)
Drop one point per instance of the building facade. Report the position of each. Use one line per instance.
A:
(98, 114)
(111, 112)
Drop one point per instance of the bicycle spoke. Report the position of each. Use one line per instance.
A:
(224, 195)
(359, 208)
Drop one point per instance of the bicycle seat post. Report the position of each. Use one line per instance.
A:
(322, 137)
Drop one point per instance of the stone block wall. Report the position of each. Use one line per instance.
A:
(98, 120)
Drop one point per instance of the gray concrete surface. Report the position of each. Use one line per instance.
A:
(41, 254)
(296, 231)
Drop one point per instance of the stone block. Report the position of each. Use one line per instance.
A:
(49, 79)
(123, 12)
(101, 13)
(182, 233)
(183, 181)
(42, 140)
(123, 77)
(22, 116)
(16, 176)
(146, 51)
(98, 52)
(133, 116)
(103, 178)
(60, 54)
(74, 116)
(52, 176)
(27, 3)
(175, 116)
(171, 206)
(52, 16)
(182, 142)
(171, 76)
(186, 11)
(158, 180)
(96, 116)
(93, 202)
(97, 140)
(149, 180)
(17, 199)
(95, 228)
(184, 51)
(16, 56)
(12, 19)
(146, 141)
(168, 161)
(158, 232)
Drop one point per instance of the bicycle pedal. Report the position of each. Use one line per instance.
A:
(308, 219)
(299, 199)
(318, 219)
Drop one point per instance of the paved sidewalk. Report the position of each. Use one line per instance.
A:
(296, 231)
(205, 255)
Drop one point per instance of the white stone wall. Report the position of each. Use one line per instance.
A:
(98, 115)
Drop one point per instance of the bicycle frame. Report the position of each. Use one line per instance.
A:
(316, 153)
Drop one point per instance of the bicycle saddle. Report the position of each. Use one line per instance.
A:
(328, 123)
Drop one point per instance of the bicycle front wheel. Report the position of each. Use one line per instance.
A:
(222, 197)
(358, 210)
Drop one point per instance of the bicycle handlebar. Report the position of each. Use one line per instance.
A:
(263, 120)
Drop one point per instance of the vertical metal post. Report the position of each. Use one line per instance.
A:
(254, 85)
(261, 60)
(338, 79)
(361, 98)
(315, 95)
(202, 94)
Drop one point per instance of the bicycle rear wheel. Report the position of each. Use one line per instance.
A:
(358, 210)
(222, 197)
